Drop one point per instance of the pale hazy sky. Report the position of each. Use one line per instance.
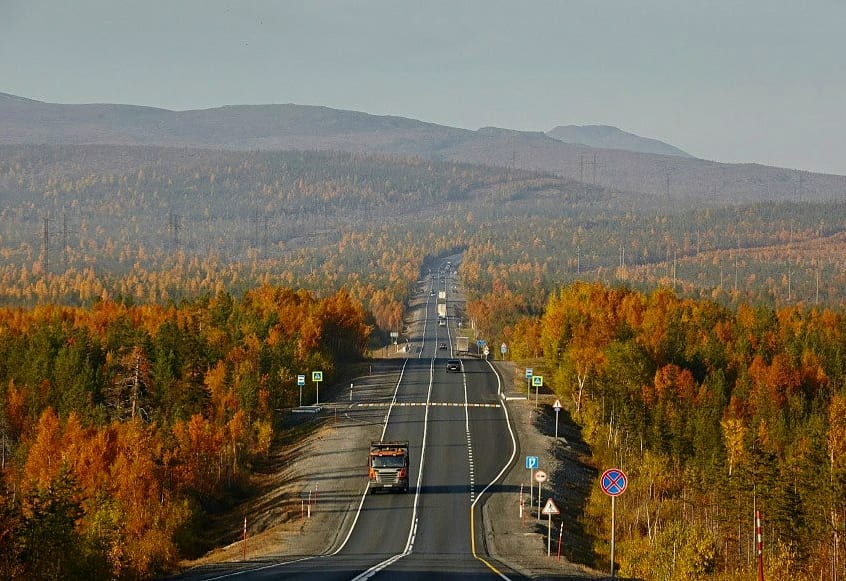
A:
(738, 81)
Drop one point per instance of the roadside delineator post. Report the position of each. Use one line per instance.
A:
(245, 539)
(560, 534)
(521, 502)
(759, 545)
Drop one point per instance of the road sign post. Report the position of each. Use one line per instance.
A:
(529, 371)
(540, 478)
(557, 407)
(549, 509)
(503, 349)
(613, 482)
(531, 465)
(300, 384)
(537, 383)
(317, 377)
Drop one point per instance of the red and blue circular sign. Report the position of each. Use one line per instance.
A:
(614, 482)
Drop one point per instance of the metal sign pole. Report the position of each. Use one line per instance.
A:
(540, 485)
(612, 536)
(531, 490)
(613, 482)
(556, 424)
(549, 534)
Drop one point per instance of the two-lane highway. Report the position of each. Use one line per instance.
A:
(460, 443)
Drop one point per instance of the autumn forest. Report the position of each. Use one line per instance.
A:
(156, 305)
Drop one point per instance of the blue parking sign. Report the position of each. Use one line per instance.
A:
(531, 462)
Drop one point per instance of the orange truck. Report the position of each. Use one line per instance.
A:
(388, 463)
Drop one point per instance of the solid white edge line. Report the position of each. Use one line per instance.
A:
(367, 488)
(504, 468)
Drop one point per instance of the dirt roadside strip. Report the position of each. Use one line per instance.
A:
(522, 544)
(329, 467)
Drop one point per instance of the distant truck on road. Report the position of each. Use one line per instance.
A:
(441, 310)
(388, 463)
(462, 345)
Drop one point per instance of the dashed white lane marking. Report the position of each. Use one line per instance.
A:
(470, 465)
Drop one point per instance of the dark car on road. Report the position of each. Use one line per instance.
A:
(453, 365)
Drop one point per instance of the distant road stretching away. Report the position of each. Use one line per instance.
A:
(460, 443)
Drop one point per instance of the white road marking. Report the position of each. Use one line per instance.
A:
(412, 533)
(469, 439)
(367, 487)
(495, 479)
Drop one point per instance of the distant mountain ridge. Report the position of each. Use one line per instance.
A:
(608, 137)
(676, 177)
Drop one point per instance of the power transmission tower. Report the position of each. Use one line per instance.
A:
(594, 169)
(593, 164)
(174, 225)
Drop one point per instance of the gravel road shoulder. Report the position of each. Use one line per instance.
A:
(522, 543)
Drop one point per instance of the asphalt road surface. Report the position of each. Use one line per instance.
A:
(460, 444)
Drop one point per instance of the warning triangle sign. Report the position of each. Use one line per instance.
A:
(550, 508)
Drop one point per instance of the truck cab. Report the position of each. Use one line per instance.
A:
(388, 466)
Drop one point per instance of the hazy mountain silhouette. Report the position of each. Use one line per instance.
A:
(673, 174)
(608, 137)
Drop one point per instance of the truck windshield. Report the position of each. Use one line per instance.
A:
(388, 461)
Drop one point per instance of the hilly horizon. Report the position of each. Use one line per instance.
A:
(610, 137)
(672, 175)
